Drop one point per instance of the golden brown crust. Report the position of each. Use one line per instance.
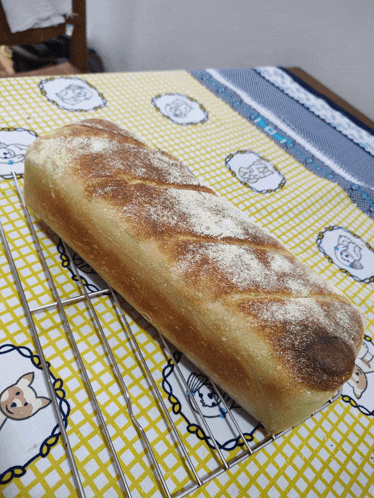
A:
(274, 335)
(101, 128)
(316, 338)
(254, 269)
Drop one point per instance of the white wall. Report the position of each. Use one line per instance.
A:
(333, 40)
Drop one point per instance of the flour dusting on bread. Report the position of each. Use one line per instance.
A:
(266, 328)
(254, 270)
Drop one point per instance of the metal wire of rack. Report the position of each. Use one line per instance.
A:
(197, 480)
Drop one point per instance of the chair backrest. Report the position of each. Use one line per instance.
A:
(78, 51)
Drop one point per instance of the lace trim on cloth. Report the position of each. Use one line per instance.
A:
(289, 137)
(318, 106)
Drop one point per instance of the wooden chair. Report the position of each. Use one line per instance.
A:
(78, 51)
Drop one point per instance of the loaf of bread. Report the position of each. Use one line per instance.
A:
(274, 335)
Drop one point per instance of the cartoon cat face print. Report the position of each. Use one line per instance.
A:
(254, 171)
(257, 171)
(11, 154)
(20, 401)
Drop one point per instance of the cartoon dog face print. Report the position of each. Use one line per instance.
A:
(348, 252)
(13, 146)
(359, 390)
(364, 366)
(72, 94)
(358, 381)
(20, 401)
(253, 170)
(28, 422)
(180, 108)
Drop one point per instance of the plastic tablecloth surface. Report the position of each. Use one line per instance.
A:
(290, 159)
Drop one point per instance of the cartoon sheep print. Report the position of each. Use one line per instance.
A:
(72, 94)
(13, 146)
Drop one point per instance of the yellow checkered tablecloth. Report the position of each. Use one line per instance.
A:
(330, 455)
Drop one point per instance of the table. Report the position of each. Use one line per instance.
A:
(298, 165)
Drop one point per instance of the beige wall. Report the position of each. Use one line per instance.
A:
(331, 39)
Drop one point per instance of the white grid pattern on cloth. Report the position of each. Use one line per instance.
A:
(302, 462)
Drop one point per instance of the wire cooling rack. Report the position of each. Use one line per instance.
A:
(188, 460)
